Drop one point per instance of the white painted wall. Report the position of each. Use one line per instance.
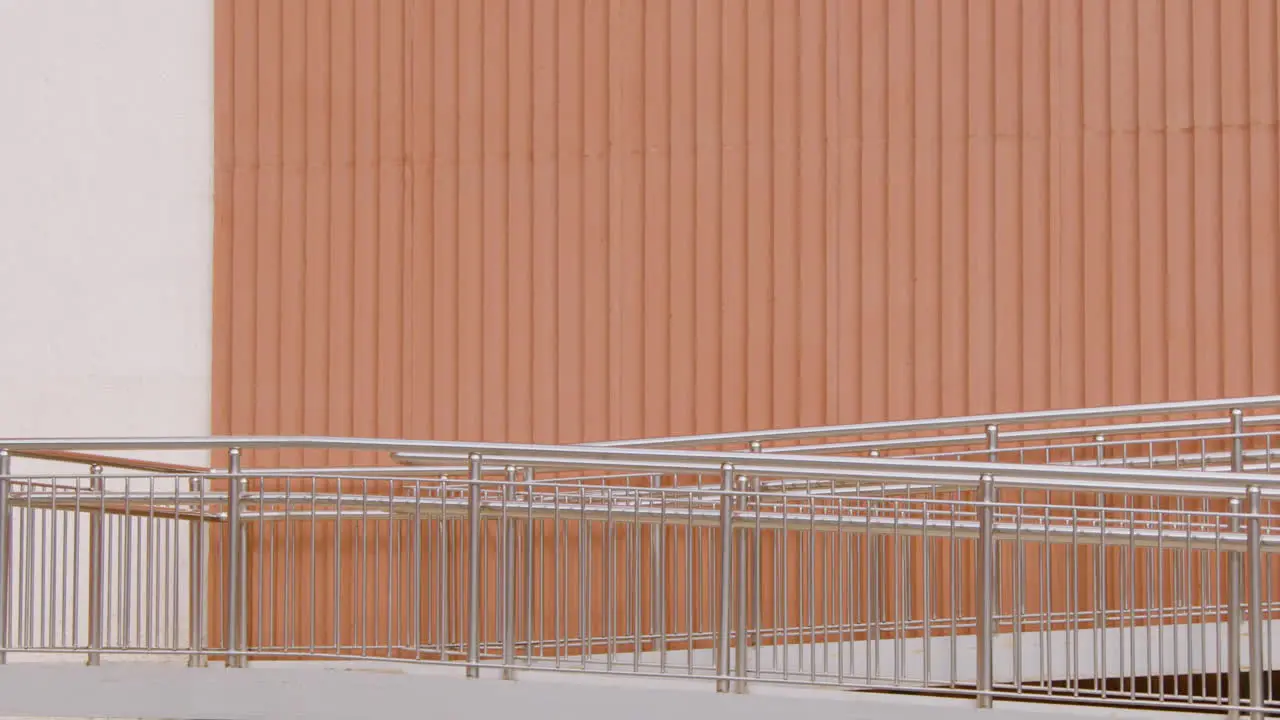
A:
(106, 252)
(106, 216)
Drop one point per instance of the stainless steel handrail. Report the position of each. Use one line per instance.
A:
(108, 461)
(698, 461)
(427, 452)
(71, 450)
(1019, 436)
(946, 423)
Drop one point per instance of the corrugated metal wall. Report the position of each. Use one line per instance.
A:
(566, 220)
(563, 220)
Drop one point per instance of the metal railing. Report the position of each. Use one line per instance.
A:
(1030, 563)
(930, 428)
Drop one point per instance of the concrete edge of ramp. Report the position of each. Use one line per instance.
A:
(145, 691)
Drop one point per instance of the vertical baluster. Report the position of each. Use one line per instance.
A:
(1257, 669)
(986, 581)
(723, 654)
(235, 606)
(5, 569)
(473, 567)
(507, 583)
(1233, 614)
(97, 588)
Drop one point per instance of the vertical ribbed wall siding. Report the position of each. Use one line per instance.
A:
(566, 220)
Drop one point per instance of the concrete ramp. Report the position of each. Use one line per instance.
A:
(273, 691)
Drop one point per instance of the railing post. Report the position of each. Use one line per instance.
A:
(199, 574)
(875, 578)
(723, 654)
(1254, 555)
(4, 554)
(1233, 613)
(97, 588)
(234, 611)
(740, 614)
(508, 584)
(1100, 587)
(1237, 440)
(445, 564)
(756, 554)
(659, 584)
(1257, 675)
(993, 455)
(244, 577)
(473, 567)
(986, 581)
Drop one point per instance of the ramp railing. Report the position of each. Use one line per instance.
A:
(1034, 562)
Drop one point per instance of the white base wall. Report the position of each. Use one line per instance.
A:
(106, 234)
(106, 217)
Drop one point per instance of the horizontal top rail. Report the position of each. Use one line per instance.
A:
(945, 423)
(817, 466)
(72, 449)
(643, 460)
(108, 461)
(1015, 436)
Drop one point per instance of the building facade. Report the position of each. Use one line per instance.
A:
(581, 220)
(560, 221)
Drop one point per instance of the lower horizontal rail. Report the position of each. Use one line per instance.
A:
(706, 515)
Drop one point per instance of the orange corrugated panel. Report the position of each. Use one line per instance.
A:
(568, 220)
(580, 219)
